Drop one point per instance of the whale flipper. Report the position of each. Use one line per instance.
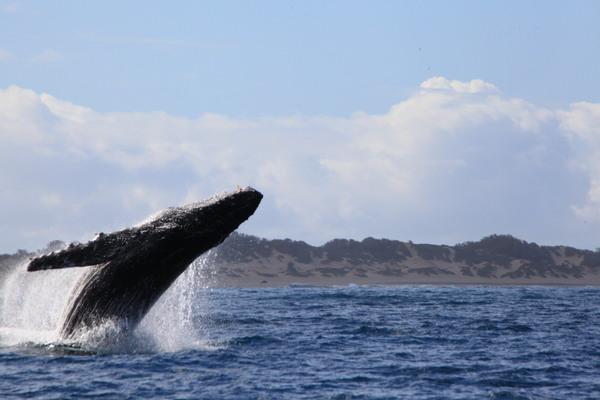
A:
(99, 251)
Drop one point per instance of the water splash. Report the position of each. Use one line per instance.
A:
(32, 307)
(32, 304)
(177, 322)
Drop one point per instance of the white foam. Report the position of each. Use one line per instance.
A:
(176, 321)
(32, 304)
(32, 308)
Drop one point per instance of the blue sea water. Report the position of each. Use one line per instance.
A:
(412, 342)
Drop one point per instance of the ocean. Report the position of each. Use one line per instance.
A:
(352, 342)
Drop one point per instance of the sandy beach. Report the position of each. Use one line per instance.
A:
(266, 275)
(250, 261)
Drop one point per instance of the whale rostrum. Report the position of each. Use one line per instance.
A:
(133, 267)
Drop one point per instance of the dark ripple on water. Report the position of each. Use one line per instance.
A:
(349, 343)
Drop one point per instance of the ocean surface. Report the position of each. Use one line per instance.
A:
(412, 342)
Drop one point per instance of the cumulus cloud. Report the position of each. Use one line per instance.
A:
(581, 122)
(473, 86)
(454, 161)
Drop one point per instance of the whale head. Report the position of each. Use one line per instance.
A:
(174, 235)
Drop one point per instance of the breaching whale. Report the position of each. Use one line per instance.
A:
(133, 267)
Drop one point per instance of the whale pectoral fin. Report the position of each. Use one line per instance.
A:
(56, 261)
(78, 257)
(99, 251)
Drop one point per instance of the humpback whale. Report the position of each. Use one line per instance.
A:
(133, 267)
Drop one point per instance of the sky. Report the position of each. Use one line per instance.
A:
(431, 121)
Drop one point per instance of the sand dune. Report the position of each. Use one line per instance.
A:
(248, 261)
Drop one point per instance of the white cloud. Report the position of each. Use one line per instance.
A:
(473, 86)
(583, 120)
(454, 161)
(582, 123)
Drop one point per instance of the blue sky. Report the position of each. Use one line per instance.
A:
(431, 121)
(281, 58)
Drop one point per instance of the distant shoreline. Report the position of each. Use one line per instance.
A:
(246, 261)
(301, 285)
(496, 260)
(278, 282)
